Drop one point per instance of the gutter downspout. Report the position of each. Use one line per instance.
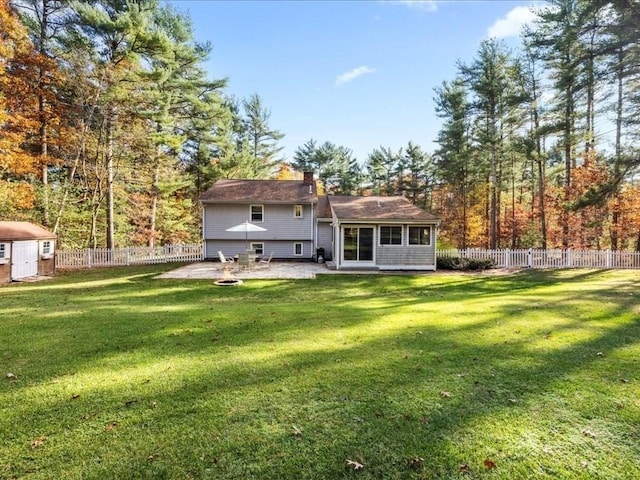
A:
(204, 223)
(314, 231)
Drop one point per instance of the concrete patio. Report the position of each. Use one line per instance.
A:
(277, 270)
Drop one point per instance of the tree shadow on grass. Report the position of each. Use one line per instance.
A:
(378, 398)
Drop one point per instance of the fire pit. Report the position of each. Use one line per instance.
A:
(228, 282)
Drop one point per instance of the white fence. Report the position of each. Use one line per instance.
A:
(103, 257)
(536, 258)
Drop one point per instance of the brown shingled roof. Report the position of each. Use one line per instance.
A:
(263, 191)
(23, 231)
(323, 208)
(378, 208)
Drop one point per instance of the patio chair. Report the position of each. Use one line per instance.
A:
(266, 262)
(244, 262)
(222, 258)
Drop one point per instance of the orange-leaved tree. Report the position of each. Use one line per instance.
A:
(17, 165)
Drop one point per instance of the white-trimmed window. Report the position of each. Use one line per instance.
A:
(4, 250)
(46, 247)
(257, 213)
(257, 247)
(420, 235)
(298, 249)
(297, 211)
(391, 235)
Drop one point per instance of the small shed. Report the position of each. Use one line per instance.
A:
(26, 250)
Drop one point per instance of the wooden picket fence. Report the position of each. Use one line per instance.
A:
(538, 258)
(104, 257)
(521, 258)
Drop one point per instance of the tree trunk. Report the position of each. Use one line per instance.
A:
(615, 218)
(568, 159)
(110, 176)
(154, 206)
(42, 114)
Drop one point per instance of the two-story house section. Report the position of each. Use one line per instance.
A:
(359, 232)
(285, 209)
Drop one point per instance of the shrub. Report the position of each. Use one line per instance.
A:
(462, 263)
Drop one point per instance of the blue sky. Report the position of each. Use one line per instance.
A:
(356, 73)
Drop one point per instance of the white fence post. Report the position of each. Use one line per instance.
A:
(530, 258)
(507, 258)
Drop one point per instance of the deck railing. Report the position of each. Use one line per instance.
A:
(104, 257)
(538, 258)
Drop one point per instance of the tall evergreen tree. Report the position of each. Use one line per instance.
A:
(382, 170)
(495, 98)
(261, 138)
(452, 159)
(557, 38)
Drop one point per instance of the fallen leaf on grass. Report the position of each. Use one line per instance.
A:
(11, 376)
(75, 396)
(445, 394)
(547, 335)
(490, 464)
(111, 426)
(415, 462)
(38, 442)
(584, 464)
(297, 432)
(425, 420)
(600, 354)
(588, 433)
(464, 468)
(355, 465)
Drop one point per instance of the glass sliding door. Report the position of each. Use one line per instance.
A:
(350, 244)
(357, 244)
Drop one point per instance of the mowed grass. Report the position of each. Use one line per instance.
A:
(118, 375)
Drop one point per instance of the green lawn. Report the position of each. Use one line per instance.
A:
(120, 376)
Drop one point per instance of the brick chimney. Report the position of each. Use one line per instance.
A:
(307, 178)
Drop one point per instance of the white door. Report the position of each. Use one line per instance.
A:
(24, 259)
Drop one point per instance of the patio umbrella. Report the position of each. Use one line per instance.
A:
(246, 227)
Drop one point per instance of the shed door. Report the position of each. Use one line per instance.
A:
(24, 259)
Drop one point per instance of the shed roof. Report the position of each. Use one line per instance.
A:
(376, 208)
(262, 191)
(23, 231)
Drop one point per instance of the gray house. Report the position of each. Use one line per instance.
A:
(386, 233)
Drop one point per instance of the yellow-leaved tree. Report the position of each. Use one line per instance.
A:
(17, 194)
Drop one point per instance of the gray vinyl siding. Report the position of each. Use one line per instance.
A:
(325, 239)
(277, 219)
(405, 256)
(281, 249)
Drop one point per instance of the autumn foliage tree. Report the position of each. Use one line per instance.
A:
(18, 165)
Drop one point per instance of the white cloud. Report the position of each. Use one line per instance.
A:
(511, 24)
(353, 74)
(427, 5)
